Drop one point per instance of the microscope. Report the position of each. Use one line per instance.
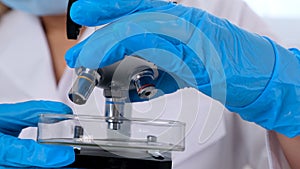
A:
(130, 74)
(116, 80)
(115, 140)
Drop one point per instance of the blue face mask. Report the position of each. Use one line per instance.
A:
(38, 7)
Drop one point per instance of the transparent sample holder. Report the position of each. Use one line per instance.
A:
(92, 131)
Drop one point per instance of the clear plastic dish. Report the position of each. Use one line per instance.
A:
(92, 131)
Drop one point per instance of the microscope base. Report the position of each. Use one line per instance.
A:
(103, 159)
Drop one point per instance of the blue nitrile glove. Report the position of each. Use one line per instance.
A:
(15, 152)
(248, 73)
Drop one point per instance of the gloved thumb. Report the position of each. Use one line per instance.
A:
(15, 117)
(25, 153)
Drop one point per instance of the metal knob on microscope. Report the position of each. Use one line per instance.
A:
(144, 83)
(84, 85)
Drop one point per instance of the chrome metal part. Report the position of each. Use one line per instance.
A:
(132, 73)
(84, 85)
(114, 111)
(143, 82)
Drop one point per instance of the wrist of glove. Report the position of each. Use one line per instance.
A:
(17, 152)
(277, 107)
(198, 50)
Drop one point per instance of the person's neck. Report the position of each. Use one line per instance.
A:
(55, 30)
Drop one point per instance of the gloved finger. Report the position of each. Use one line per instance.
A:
(15, 117)
(72, 54)
(134, 37)
(111, 43)
(95, 12)
(26, 153)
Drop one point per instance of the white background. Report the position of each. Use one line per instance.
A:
(283, 16)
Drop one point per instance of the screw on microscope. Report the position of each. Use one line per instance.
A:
(154, 153)
(151, 138)
(78, 132)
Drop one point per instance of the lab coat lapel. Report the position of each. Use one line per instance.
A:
(26, 68)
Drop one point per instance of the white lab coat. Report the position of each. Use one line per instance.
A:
(216, 138)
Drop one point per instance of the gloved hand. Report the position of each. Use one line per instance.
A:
(15, 152)
(248, 73)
